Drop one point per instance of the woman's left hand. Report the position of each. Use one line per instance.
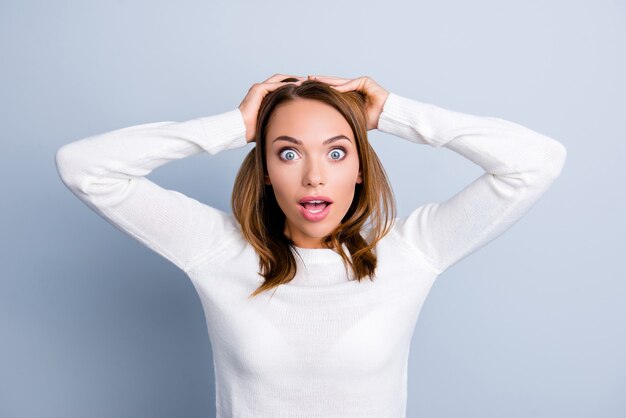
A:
(375, 95)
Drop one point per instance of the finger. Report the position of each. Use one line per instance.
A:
(276, 84)
(280, 77)
(298, 77)
(350, 85)
(329, 79)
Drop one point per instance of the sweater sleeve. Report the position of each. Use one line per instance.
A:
(108, 173)
(520, 165)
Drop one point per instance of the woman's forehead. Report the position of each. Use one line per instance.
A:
(309, 122)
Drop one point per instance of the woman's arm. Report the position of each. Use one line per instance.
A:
(520, 165)
(108, 173)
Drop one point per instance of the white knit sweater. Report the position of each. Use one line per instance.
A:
(323, 346)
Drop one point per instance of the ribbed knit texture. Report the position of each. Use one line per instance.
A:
(324, 345)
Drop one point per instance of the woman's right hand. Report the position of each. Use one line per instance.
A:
(250, 105)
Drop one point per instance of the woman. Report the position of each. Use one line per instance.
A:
(324, 342)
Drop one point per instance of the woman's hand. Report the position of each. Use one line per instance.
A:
(375, 94)
(250, 105)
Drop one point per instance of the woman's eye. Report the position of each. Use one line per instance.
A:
(336, 154)
(288, 154)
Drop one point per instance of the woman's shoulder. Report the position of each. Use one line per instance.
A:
(398, 244)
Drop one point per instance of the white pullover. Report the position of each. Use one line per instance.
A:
(323, 346)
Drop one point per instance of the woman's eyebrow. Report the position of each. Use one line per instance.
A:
(295, 141)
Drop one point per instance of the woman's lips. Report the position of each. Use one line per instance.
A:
(315, 216)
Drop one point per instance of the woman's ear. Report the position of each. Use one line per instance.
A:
(359, 178)
(267, 180)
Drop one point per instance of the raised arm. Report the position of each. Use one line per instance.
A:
(520, 165)
(107, 172)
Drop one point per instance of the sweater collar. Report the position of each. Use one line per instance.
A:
(319, 255)
(319, 266)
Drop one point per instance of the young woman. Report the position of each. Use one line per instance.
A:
(313, 221)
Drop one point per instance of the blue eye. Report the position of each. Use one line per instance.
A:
(334, 153)
(289, 154)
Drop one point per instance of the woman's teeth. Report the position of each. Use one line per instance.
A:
(315, 207)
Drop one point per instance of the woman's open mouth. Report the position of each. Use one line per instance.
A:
(315, 210)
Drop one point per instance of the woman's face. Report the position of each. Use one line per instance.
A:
(311, 167)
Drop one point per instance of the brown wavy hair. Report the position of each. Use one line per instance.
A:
(261, 218)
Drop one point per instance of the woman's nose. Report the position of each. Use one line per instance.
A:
(314, 174)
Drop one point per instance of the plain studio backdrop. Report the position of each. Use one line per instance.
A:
(93, 324)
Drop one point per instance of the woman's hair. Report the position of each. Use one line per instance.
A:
(261, 218)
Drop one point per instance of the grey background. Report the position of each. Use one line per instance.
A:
(93, 324)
